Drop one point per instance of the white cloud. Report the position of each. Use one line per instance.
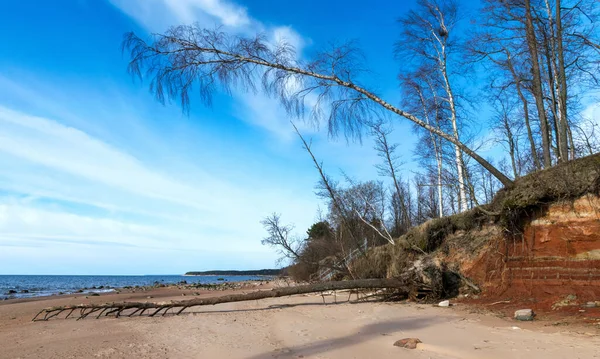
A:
(288, 35)
(156, 15)
(592, 113)
(228, 13)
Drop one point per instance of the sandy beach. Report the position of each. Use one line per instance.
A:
(293, 327)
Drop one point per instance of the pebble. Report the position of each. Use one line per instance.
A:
(445, 303)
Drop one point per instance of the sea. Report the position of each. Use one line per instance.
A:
(27, 286)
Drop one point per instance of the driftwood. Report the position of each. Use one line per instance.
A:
(401, 286)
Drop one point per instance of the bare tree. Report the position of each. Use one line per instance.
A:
(279, 237)
(420, 96)
(387, 152)
(426, 199)
(427, 35)
(506, 73)
(188, 56)
(544, 50)
(367, 201)
(340, 209)
(508, 129)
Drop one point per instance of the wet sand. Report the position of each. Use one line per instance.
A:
(293, 327)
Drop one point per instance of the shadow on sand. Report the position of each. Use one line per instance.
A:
(365, 333)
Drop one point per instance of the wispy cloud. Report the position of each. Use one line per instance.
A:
(50, 144)
(591, 113)
(254, 108)
(155, 15)
(60, 183)
(228, 13)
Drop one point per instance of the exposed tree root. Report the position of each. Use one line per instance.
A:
(402, 287)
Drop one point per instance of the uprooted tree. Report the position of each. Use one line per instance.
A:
(423, 282)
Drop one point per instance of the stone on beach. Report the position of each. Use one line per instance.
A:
(524, 314)
(445, 303)
(408, 343)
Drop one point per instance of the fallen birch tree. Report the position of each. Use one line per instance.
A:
(404, 286)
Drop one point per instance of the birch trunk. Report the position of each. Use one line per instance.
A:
(460, 165)
(459, 161)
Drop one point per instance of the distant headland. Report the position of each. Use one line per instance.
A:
(238, 272)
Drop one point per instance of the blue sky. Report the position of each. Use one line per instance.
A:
(96, 177)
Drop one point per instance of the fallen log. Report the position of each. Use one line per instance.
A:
(401, 286)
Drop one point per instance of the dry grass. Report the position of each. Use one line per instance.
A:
(531, 195)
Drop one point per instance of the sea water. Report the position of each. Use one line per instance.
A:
(27, 286)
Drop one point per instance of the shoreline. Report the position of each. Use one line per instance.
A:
(36, 292)
(229, 275)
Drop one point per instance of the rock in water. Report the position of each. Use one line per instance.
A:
(408, 343)
(524, 314)
(445, 303)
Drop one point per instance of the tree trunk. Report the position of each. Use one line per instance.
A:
(404, 286)
(537, 84)
(571, 142)
(551, 44)
(511, 146)
(562, 82)
(439, 186)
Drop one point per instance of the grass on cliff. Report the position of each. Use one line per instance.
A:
(513, 206)
(531, 195)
